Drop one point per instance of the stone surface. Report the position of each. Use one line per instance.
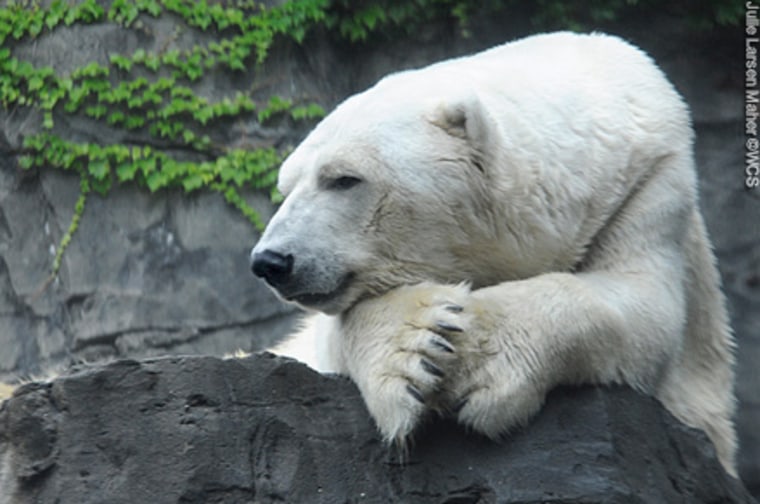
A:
(145, 274)
(267, 429)
(161, 274)
(150, 276)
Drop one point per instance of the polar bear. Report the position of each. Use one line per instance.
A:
(478, 231)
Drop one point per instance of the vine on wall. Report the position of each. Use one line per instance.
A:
(152, 93)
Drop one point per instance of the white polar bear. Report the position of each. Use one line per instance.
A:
(481, 230)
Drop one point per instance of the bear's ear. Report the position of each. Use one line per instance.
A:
(451, 118)
(467, 119)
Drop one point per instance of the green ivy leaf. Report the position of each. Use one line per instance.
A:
(26, 162)
(311, 111)
(55, 13)
(35, 26)
(96, 111)
(47, 121)
(121, 62)
(152, 62)
(276, 196)
(115, 117)
(99, 169)
(152, 6)
(89, 11)
(192, 182)
(134, 122)
(126, 171)
(102, 186)
(156, 180)
(171, 57)
(35, 83)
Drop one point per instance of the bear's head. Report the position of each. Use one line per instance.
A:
(385, 191)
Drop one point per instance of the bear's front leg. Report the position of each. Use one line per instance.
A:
(507, 361)
(401, 350)
(525, 337)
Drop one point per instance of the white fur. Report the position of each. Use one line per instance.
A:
(547, 188)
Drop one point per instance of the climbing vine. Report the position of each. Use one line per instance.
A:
(152, 93)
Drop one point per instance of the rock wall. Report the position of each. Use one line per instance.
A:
(167, 274)
(144, 275)
(265, 429)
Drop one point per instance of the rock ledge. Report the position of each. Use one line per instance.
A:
(268, 429)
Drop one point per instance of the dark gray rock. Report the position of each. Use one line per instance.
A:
(144, 275)
(266, 429)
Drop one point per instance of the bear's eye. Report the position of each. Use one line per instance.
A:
(343, 183)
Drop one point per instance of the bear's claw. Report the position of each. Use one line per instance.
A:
(432, 368)
(415, 393)
(448, 327)
(442, 344)
(459, 405)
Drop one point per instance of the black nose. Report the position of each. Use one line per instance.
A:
(272, 266)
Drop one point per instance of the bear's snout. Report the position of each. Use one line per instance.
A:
(272, 266)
